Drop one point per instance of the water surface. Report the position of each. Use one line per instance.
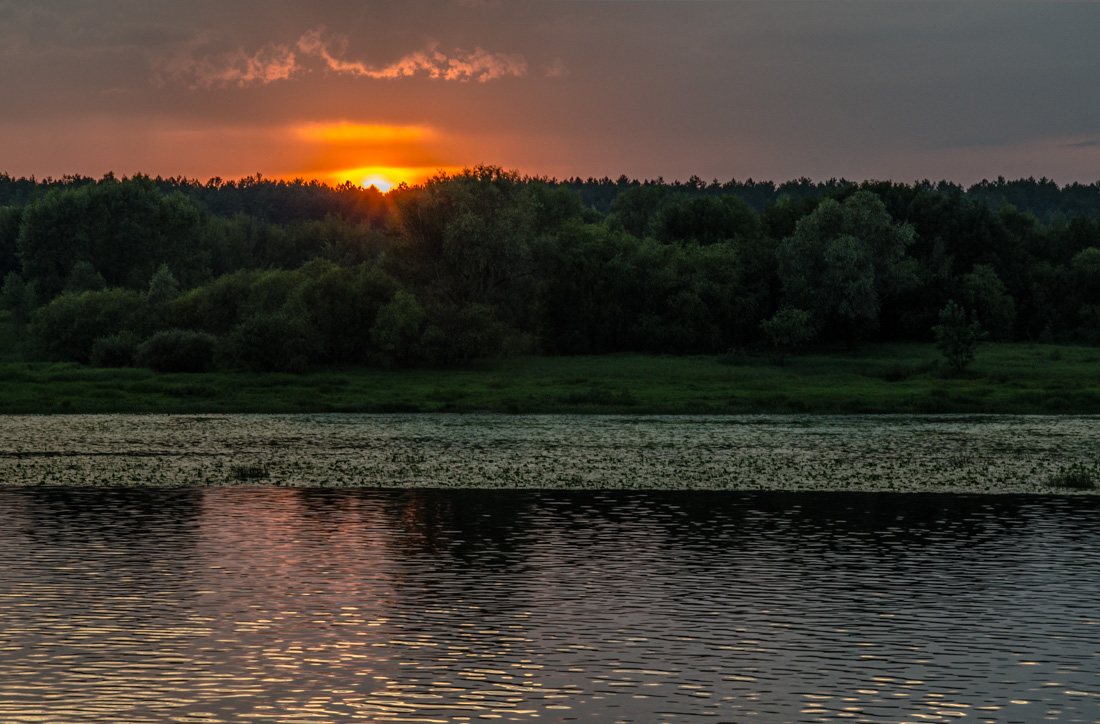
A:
(310, 605)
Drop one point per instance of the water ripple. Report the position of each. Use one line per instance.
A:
(273, 605)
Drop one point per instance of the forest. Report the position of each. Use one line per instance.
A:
(263, 275)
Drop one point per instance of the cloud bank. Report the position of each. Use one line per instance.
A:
(276, 62)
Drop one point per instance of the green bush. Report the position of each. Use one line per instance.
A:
(216, 307)
(458, 336)
(341, 306)
(65, 329)
(268, 343)
(956, 338)
(397, 330)
(115, 350)
(18, 297)
(177, 350)
(789, 330)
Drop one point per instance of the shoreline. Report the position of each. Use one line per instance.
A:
(878, 379)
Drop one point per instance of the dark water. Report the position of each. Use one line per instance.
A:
(271, 605)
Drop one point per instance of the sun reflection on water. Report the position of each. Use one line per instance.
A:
(327, 606)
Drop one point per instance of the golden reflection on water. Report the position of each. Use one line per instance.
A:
(281, 606)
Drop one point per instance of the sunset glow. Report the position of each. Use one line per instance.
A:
(368, 154)
(385, 177)
(381, 183)
(389, 92)
(344, 132)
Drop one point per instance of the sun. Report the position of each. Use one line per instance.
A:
(378, 181)
(383, 178)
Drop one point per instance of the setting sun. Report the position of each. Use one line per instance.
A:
(390, 154)
(385, 178)
(380, 182)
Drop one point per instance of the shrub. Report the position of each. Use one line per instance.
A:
(789, 330)
(115, 350)
(341, 306)
(18, 297)
(177, 350)
(397, 329)
(955, 338)
(267, 343)
(65, 329)
(458, 336)
(228, 300)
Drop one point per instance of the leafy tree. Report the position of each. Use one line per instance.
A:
(341, 306)
(636, 209)
(555, 206)
(125, 229)
(591, 292)
(789, 330)
(339, 240)
(843, 261)
(1089, 328)
(956, 338)
(11, 218)
(989, 302)
(1086, 270)
(468, 241)
(458, 336)
(218, 306)
(84, 278)
(707, 220)
(18, 297)
(398, 329)
(782, 216)
(163, 287)
(267, 342)
(66, 328)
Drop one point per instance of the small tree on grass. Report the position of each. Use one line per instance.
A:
(956, 338)
(789, 330)
(18, 297)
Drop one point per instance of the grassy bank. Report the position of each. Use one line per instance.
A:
(901, 378)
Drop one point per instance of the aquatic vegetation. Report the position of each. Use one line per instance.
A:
(250, 472)
(1075, 477)
(944, 453)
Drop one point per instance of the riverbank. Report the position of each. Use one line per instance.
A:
(873, 379)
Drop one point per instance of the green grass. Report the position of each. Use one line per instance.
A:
(893, 378)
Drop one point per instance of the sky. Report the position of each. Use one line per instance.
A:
(383, 91)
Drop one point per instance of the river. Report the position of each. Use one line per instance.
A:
(235, 604)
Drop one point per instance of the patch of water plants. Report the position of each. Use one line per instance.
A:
(1075, 477)
(974, 454)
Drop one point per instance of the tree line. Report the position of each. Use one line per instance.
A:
(273, 275)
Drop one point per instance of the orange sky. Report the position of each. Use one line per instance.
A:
(385, 91)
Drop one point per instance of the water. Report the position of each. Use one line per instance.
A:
(312, 605)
